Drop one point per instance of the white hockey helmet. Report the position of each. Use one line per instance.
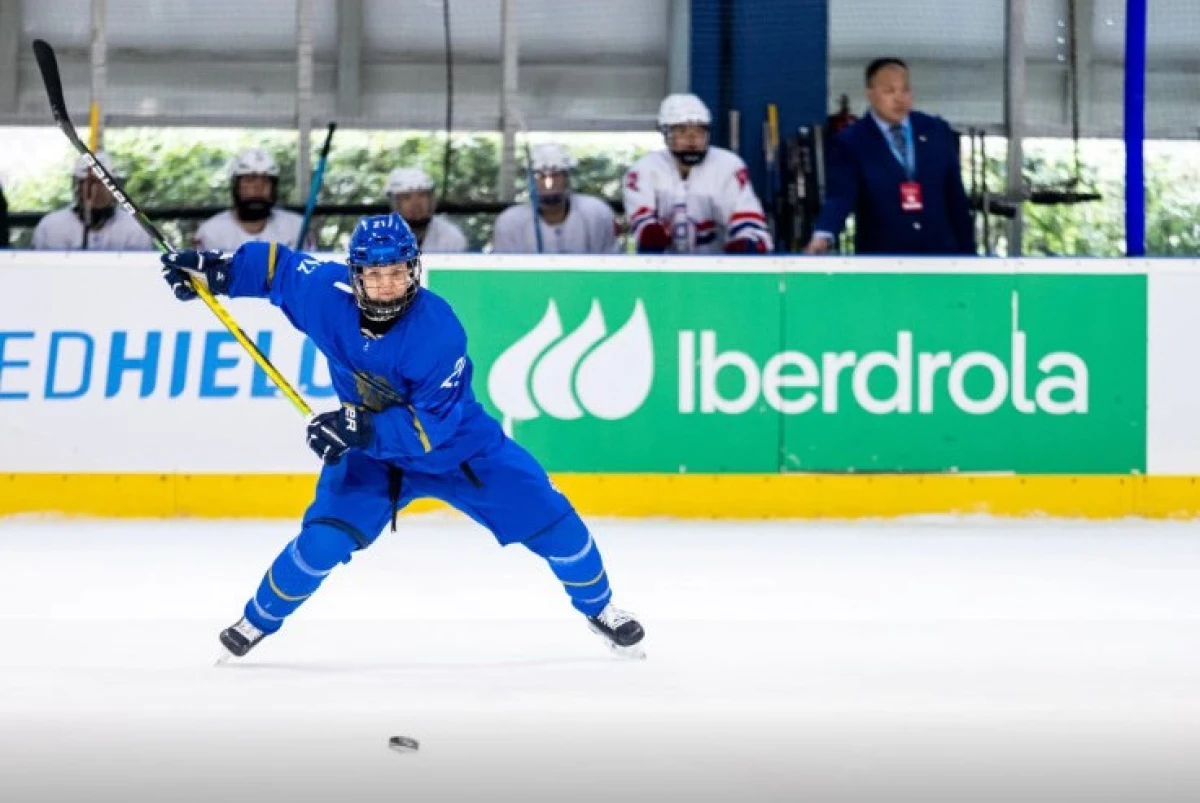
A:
(550, 157)
(408, 179)
(83, 167)
(680, 109)
(253, 162)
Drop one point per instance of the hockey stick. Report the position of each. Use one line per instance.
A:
(531, 182)
(771, 157)
(48, 65)
(315, 189)
(93, 143)
(86, 208)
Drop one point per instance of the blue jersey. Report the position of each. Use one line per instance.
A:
(416, 379)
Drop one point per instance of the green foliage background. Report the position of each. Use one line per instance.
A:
(164, 167)
(186, 167)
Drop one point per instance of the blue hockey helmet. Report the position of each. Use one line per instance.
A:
(380, 241)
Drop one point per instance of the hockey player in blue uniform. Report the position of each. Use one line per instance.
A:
(409, 425)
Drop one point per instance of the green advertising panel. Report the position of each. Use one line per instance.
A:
(1035, 374)
(584, 369)
(829, 372)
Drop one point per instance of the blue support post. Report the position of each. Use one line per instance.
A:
(748, 54)
(1135, 127)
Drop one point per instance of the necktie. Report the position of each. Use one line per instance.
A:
(900, 143)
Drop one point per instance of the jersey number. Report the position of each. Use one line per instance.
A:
(453, 379)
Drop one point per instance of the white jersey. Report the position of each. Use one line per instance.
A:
(713, 205)
(222, 232)
(443, 237)
(589, 228)
(62, 230)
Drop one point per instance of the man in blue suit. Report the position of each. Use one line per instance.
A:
(898, 172)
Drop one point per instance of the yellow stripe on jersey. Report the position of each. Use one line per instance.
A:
(420, 430)
(272, 255)
(280, 594)
(591, 582)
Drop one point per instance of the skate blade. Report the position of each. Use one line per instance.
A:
(631, 653)
(224, 658)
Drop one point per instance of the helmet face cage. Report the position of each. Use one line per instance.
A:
(666, 129)
(690, 158)
(416, 205)
(234, 186)
(253, 162)
(553, 185)
(381, 255)
(551, 166)
(78, 183)
(82, 173)
(679, 110)
(381, 241)
(252, 209)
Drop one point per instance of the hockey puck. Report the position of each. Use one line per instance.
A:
(404, 744)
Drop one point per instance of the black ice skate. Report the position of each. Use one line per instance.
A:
(240, 639)
(622, 632)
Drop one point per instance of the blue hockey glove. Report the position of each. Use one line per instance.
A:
(180, 269)
(333, 434)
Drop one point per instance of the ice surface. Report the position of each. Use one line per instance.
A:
(936, 660)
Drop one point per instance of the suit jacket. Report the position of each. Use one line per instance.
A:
(864, 178)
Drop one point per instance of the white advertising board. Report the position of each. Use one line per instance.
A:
(102, 370)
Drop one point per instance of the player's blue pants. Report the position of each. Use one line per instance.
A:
(504, 489)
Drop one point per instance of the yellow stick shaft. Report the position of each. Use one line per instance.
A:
(773, 124)
(271, 371)
(94, 119)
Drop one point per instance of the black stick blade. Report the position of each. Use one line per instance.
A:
(48, 66)
(328, 140)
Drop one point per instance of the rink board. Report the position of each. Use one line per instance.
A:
(692, 387)
(700, 496)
